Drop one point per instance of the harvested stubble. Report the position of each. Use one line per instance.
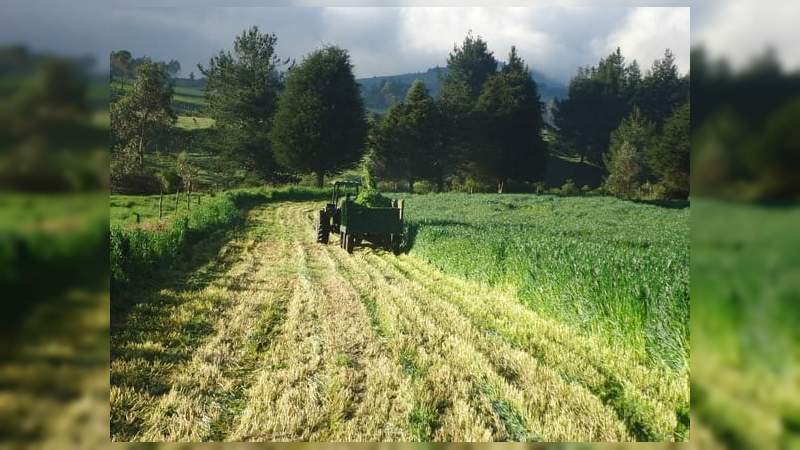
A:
(279, 338)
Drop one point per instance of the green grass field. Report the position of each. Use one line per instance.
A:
(186, 100)
(189, 100)
(24, 212)
(189, 91)
(602, 265)
(745, 339)
(124, 208)
(194, 123)
(60, 239)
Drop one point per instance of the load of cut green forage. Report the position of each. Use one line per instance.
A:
(373, 198)
(369, 195)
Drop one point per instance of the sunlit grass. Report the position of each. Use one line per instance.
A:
(608, 267)
(280, 338)
(194, 123)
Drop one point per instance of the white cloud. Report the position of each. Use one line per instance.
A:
(554, 39)
(647, 32)
(548, 38)
(436, 30)
(740, 30)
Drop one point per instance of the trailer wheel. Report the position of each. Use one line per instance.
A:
(323, 230)
(349, 241)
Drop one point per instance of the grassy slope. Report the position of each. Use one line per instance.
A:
(194, 123)
(394, 348)
(187, 100)
(596, 263)
(214, 171)
(125, 207)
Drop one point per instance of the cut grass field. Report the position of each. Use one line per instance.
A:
(262, 334)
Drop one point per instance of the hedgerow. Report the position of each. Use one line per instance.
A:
(137, 252)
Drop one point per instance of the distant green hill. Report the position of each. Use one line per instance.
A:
(379, 93)
(189, 98)
(382, 92)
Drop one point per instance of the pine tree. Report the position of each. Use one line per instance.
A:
(509, 113)
(242, 93)
(626, 160)
(599, 98)
(320, 125)
(468, 67)
(410, 141)
(669, 158)
(662, 90)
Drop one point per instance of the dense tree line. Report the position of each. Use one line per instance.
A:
(744, 129)
(485, 128)
(615, 117)
(408, 144)
(124, 66)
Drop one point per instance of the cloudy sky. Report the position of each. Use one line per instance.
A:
(554, 40)
(382, 40)
(554, 37)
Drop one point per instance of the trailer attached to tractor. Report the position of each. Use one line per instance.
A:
(355, 223)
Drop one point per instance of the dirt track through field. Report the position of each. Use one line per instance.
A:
(280, 338)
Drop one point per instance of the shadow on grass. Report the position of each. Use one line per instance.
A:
(183, 276)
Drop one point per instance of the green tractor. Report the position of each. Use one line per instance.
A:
(355, 223)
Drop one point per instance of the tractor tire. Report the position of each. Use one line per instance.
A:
(323, 229)
(394, 243)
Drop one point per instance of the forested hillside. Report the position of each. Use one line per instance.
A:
(381, 92)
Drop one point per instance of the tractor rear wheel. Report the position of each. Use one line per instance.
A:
(323, 230)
